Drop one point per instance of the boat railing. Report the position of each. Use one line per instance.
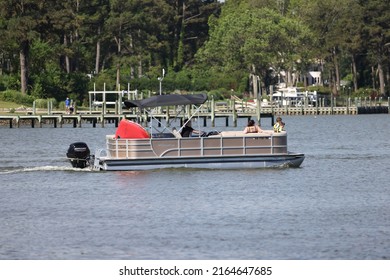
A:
(217, 145)
(224, 150)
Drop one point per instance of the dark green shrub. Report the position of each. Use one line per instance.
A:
(10, 82)
(105, 79)
(365, 92)
(43, 103)
(17, 97)
(217, 94)
(320, 90)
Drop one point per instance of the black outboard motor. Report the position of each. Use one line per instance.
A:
(78, 154)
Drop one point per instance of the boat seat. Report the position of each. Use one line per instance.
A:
(242, 134)
(163, 135)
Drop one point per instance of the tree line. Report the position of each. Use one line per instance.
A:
(53, 49)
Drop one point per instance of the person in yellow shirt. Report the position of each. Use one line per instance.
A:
(279, 125)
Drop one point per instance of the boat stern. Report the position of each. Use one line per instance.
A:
(79, 155)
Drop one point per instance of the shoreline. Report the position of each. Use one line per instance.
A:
(94, 120)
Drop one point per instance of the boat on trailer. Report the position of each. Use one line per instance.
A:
(133, 147)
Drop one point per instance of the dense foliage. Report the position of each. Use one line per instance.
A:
(54, 49)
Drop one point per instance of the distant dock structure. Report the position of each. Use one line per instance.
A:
(107, 107)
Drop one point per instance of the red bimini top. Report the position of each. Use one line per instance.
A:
(129, 129)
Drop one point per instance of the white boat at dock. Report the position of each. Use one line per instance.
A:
(292, 96)
(135, 148)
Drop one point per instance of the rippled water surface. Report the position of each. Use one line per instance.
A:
(336, 206)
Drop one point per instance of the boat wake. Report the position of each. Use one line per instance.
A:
(12, 170)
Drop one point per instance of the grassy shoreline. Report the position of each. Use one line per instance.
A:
(9, 105)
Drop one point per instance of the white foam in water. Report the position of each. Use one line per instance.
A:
(45, 168)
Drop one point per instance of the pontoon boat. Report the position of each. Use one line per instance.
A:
(135, 148)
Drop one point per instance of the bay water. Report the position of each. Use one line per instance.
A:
(335, 206)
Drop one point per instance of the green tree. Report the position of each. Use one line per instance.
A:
(252, 40)
(22, 22)
(48, 47)
(136, 27)
(353, 45)
(326, 30)
(376, 33)
(95, 14)
(190, 28)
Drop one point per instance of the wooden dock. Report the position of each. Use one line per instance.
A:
(230, 112)
(94, 120)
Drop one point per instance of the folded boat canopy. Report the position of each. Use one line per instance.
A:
(129, 129)
(168, 100)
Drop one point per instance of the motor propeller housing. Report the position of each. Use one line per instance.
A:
(79, 154)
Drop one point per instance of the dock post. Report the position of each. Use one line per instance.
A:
(331, 104)
(167, 116)
(212, 112)
(32, 123)
(10, 123)
(17, 121)
(258, 110)
(286, 108)
(55, 122)
(49, 106)
(234, 114)
(188, 111)
(204, 121)
(145, 119)
(119, 103)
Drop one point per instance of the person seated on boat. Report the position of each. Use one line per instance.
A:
(188, 130)
(279, 125)
(252, 127)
